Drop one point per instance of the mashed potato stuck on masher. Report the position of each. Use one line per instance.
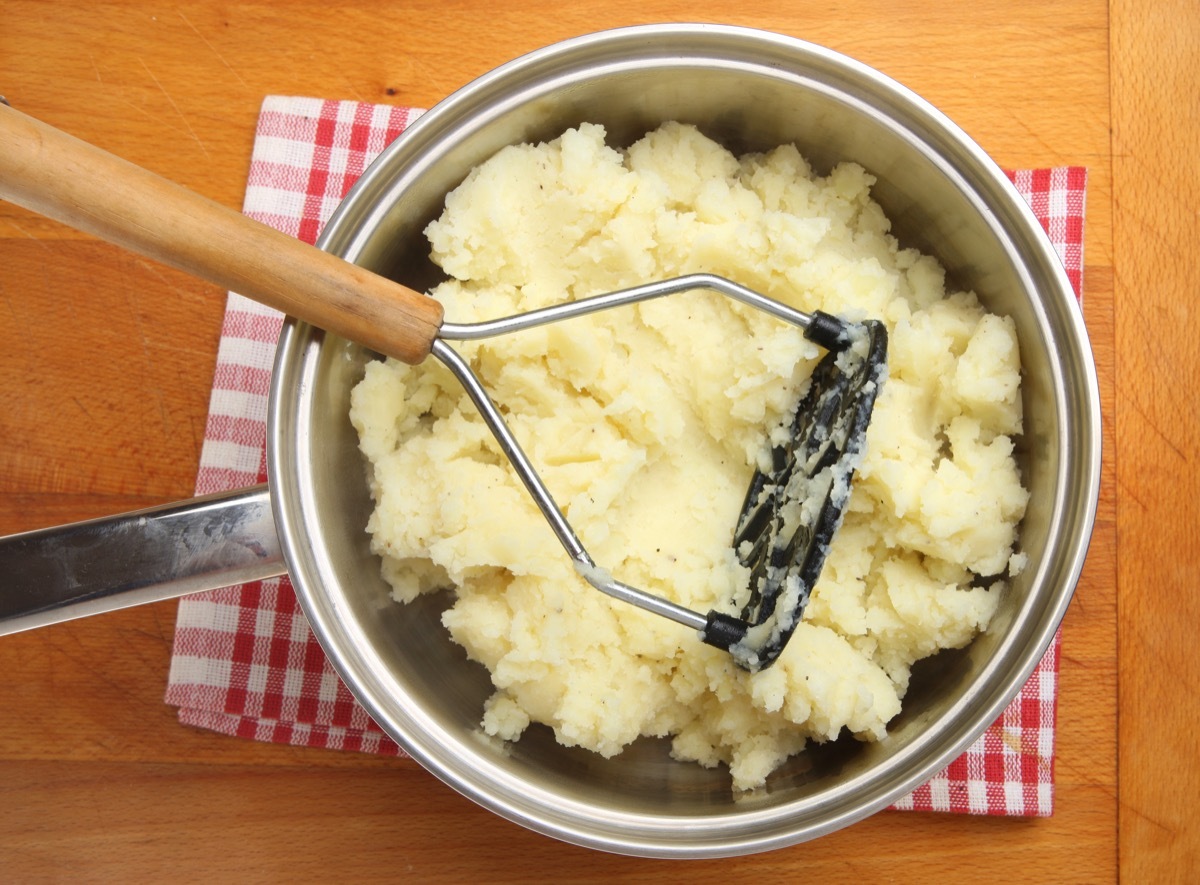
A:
(647, 422)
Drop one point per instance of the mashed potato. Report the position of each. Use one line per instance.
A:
(647, 422)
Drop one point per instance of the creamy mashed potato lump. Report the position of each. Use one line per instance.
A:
(647, 422)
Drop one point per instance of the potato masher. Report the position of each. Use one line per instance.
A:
(791, 511)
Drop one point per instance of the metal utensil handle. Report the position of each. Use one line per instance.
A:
(101, 565)
(66, 179)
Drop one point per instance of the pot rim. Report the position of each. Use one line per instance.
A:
(737, 831)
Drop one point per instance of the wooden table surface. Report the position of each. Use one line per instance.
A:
(108, 361)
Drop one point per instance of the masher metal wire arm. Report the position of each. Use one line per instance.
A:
(586, 566)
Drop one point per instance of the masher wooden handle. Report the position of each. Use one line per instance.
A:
(73, 182)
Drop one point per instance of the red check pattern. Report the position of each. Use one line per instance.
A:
(245, 662)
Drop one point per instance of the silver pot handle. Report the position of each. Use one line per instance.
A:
(101, 565)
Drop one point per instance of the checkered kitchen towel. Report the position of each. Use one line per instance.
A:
(245, 662)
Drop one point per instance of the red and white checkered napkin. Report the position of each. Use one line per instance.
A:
(245, 662)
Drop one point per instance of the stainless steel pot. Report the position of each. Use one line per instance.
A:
(750, 90)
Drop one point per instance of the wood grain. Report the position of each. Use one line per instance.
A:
(55, 174)
(108, 363)
(1156, 130)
